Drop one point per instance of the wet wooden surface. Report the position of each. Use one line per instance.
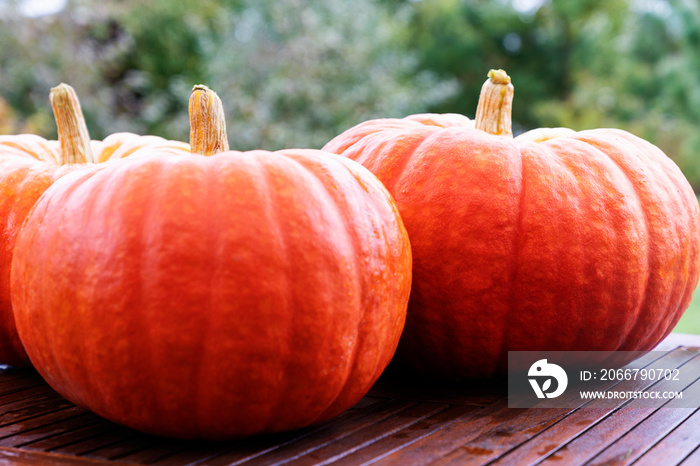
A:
(400, 422)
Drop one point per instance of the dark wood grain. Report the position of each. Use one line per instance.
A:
(614, 426)
(692, 459)
(653, 429)
(56, 423)
(404, 437)
(404, 420)
(14, 456)
(677, 445)
(556, 438)
(348, 423)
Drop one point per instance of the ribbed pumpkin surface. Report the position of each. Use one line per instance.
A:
(213, 297)
(581, 241)
(28, 165)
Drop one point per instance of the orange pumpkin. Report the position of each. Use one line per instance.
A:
(553, 240)
(213, 296)
(29, 164)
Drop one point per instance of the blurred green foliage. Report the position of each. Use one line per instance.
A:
(295, 73)
(291, 73)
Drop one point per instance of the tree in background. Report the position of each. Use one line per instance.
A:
(631, 64)
(299, 72)
(548, 48)
(290, 73)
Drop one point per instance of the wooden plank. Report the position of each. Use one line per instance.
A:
(361, 439)
(33, 432)
(374, 450)
(43, 401)
(70, 436)
(675, 446)
(571, 426)
(9, 430)
(19, 383)
(403, 420)
(152, 447)
(595, 439)
(93, 443)
(263, 450)
(404, 437)
(652, 430)
(497, 419)
(491, 435)
(25, 393)
(693, 459)
(129, 448)
(330, 448)
(17, 457)
(195, 454)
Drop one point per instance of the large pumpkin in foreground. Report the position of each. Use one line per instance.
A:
(213, 297)
(28, 165)
(554, 240)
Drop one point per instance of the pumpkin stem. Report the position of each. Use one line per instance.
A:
(73, 135)
(493, 114)
(207, 122)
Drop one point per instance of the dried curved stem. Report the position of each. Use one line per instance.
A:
(207, 122)
(493, 114)
(73, 135)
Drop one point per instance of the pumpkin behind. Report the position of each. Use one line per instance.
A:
(554, 240)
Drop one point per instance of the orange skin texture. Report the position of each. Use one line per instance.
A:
(28, 166)
(213, 297)
(585, 241)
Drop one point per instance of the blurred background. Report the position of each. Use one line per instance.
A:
(294, 73)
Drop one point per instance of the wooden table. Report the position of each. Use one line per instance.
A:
(399, 422)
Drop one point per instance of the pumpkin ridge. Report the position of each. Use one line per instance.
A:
(52, 340)
(658, 165)
(129, 177)
(683, 198)
(379, 365)
(626, 187)
(355, 247)
(352, 242)
(408, 154)
(394, 135)
(27, 144)
(660, 169)
(340, 200)
(316, 186)
(272, 216)
(149, 218)
(212, 242)
(633, 329)
(81, 320)
(97, 182)
(340, 144)
(532, 155)
(24, 180)
(125, 177)
(519, 228)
